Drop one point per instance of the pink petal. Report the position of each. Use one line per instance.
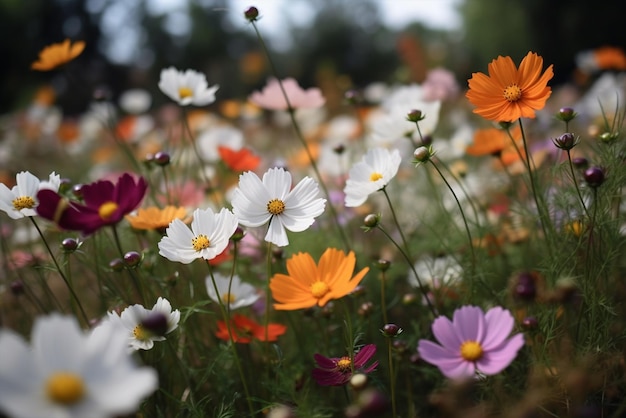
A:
(499, 325)
(469, 323)
(325, 362)
(364, 355)
(434, 353)
(446, 334)
(457, 370)
(493, 362)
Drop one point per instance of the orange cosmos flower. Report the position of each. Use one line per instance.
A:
(308, 284)
(245, 330)
(241, 160)
(491, 141)
(58, 54)
(509, 93)
(155, 218)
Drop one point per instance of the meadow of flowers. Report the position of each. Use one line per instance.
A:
(428, 250)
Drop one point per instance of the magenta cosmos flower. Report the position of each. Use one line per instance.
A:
(105, 203)
(472, 342)
(273, 98)
(337, 371)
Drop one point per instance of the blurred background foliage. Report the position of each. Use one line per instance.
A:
(342, 44)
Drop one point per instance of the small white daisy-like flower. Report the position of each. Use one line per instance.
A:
(371, 174)
(187, 87)
(208, 237)
(70, 373)
(21, 200)
(436, 271)
(239, 295)
(145, 326)
(257, 202)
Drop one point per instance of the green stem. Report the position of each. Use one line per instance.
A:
(580, 197)
(392, 380)
(68, 284)
(383, 303)
(412, 267)
(395, 220)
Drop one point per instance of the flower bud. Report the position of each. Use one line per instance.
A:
(69, 245)
(415, 116)
(358, 381)
(530, 323)
(580, 162)
(391, 330)
(65, 185)
(566, 142)
(365, 309)
(238, 234)
(77, 191)
(252, 14)
(339, 149)
(400, 346)
(608, 136)
(383, 265)
(132, 258)
(409, 298)
(162, 158)
(117, 264)
(594, 176)
(566, 114)
(421, 154)
(371, 220)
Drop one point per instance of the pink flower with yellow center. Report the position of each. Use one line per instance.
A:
(104, 203)
(337, 371)
(472, 342)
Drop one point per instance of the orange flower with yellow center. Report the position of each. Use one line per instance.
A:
(509, 93)
(57, 54)
(155, 218)
(308, 284)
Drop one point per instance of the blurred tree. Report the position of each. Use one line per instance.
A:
(557, 30)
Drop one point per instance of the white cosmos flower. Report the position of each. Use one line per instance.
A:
(21, 200)
(145, 326)
(436, 271)
(257, 202)
(208, 237)
(371, 174)
(187, 87)
(68, 373)
(241, 294)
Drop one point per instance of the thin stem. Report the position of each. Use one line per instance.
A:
(268, 290)
(392, 380)
(136, 281)
(231, 340)
(300, 137)
(580, 197)
(395, 220)
(412, 267)
(467, 230)
(73, 294)
(383, 303)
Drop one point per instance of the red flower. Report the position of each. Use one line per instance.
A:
(105, 203)
(245, 330)
(337, 371)
(241, 160)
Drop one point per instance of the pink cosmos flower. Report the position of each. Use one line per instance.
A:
(472, 342)
(105, 203)
(337, 371)
(272, 96)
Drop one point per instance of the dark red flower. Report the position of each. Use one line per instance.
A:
(104, 204)
(337, 371)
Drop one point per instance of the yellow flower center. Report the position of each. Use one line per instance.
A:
(471, 350)
(140, 333)
(185, 92)
(23, 202)
(228, 298)
(513, 93)
(201, 242)
(65, 388)
(319, 289)
(375, 176)
(344, 364)
(107, 210)
(276, 206)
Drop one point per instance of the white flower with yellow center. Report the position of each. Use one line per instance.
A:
(207, 238)
(371, 174)
(145, 326)
(187, 87)
(238, 294)
(70, 373)
(257, 202)
(21, 200)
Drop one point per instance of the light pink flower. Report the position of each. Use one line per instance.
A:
(273, 98)
(472, 342)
